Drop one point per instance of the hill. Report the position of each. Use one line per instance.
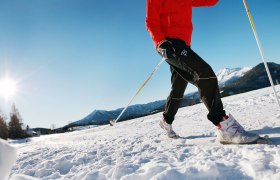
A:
(229, 75)
(139, 149)
(254, 79)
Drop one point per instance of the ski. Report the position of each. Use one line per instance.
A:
(261, 140)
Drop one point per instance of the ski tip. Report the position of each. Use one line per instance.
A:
(264, 140)
(112, 122)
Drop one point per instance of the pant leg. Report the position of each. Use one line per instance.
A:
(195, 70)
(178, 87)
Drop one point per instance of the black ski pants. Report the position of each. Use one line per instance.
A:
(189, 67)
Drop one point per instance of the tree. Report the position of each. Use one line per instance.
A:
(15, 124)
(3, 128)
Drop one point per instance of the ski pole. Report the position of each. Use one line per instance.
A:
(139, 90)
(260, 48)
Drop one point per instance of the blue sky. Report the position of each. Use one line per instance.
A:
(69, 57)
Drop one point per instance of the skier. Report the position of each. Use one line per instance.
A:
(169, 23)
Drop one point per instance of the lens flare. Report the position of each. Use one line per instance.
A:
(7, 88)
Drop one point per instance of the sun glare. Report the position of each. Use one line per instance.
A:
(7, 88)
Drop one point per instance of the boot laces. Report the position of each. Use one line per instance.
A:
(238, 128)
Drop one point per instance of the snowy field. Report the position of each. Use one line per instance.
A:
(138, 149)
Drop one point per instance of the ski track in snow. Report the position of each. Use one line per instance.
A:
(139, 149)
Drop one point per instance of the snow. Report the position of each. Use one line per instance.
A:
(7, 159)
(227, 75)
(139, 149)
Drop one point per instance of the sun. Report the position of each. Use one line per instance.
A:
(7, 88)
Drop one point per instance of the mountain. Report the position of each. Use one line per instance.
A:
(231, 81)
(227, 76)
(255, 78)
(100, 117)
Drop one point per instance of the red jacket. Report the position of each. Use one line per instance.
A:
(172, 18)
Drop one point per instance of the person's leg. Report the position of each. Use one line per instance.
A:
(195, 70)
(175, 97)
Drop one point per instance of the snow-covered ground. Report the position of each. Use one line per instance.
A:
(138, 149)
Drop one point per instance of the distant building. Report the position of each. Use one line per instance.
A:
(32, 133)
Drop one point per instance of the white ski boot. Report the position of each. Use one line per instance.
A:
(168, 128)
(231, 132)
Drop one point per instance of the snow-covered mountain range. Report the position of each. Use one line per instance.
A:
(98, 117)
(254, 79)
(226, 77)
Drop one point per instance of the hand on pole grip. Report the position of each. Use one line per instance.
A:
(166, 49)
